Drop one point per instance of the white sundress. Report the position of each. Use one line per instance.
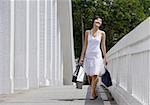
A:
(93, 61)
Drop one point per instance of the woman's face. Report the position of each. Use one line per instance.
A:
(97, 22)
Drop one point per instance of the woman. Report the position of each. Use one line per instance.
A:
(91, 54)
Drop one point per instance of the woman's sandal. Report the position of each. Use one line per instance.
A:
(93, 98)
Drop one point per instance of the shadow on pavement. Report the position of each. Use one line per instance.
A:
(97, 101)
(71, 99)
(104, 98)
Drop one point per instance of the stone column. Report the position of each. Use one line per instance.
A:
(55, 42)
(59, 58)
(49, 52)
(51, 42)
(66, 29)
(5, 52)
(38, 41)
(42, 42)
(53, 45)
(59, 63)
(46, 71)
(149, 56)
(12, 46)
(20, 73)
(54, 65)
(33, 73)
(129, 71)
(149, 64)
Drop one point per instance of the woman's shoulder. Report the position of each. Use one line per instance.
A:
(87, 31)
(102, 32)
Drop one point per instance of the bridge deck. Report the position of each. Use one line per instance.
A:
(65, 95)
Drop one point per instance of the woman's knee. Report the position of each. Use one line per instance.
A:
(94, 76)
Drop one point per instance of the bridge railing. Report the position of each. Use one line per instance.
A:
(129, 65)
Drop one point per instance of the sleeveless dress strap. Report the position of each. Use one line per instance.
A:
(88, 31)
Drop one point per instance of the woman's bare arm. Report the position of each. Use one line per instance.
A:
(84, 47)
(103, 46)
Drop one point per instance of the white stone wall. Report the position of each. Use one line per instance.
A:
(129, 64)
(31, 38)
(33, 46)
(5, 80)
(42, 41)
(20, 30)
(65, 26)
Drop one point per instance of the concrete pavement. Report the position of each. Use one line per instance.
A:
(64, 95)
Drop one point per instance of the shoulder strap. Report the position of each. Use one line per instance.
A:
(88, 31)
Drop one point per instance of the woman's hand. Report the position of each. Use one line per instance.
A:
(105, 61)
(81, 61)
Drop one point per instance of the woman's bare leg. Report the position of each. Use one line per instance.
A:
(89, 79)
(93, 84)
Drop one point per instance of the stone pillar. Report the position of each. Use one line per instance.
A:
(51, 41)
(38, 41)
(33, 73)
(5, 52)
(20, 73)
(149, 57)
(49, 51)
(129, 71)
(54, 66)
(59, 58)
(149, 64)
(60, 63)
(66, 29)
(53, 44)
(46, 71)
(42, 42)
(12, 46)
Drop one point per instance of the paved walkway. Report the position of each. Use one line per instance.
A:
(66, 95)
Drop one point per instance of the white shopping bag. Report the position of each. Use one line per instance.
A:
(80, 77)
(102, 70)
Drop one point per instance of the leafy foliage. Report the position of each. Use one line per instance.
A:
(119, 18)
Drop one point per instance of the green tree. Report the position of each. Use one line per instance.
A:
(146, 6)
(124, 15)
(76, 5)
(119, 18)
